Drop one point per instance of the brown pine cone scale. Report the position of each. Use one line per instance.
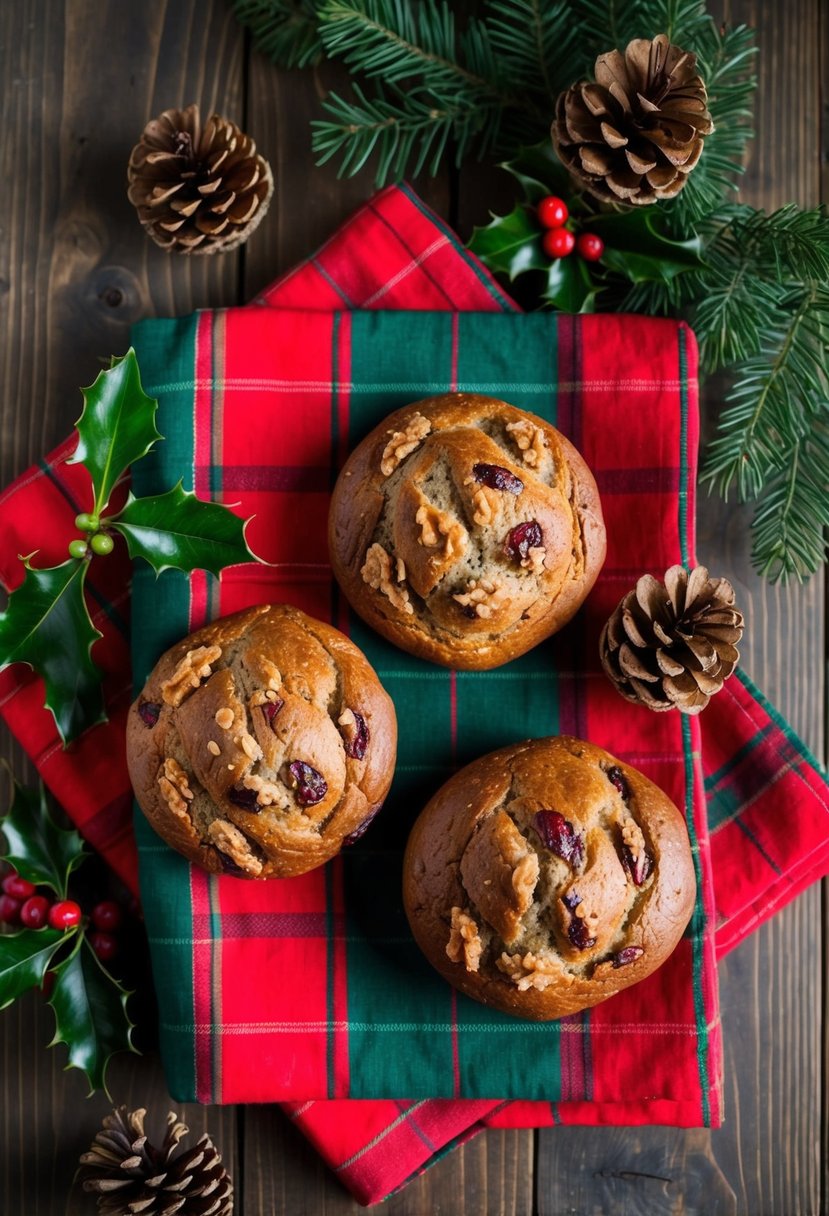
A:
(672, 645)
(634, 134)
(198, 188)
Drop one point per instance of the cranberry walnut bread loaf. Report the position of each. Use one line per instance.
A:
(465, 530)
(545, 877)
(261, 744)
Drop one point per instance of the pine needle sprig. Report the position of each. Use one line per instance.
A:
(776, 396)
(535, 42)
(284, 30)
(789, 526)
(407, 132)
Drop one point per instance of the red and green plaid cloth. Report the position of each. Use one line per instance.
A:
(309, 989)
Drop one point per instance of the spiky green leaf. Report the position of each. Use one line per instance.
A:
(568, 286)
(637, 246)
(91, 1018)
(24, 959)
(178, 531)
(46, 624)
(511, 244)
(38, 849)
(116, 428)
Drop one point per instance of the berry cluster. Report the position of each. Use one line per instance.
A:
(21, 904)
(559, 241)
(99, 542)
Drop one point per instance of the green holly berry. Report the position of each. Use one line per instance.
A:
(77, 548)
(86, 522)
(102, 544)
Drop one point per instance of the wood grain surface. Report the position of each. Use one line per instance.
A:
(78, 80)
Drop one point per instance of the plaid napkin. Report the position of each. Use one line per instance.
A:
(752, 762)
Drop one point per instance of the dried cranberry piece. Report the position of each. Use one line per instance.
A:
(148, 713)
(311, 786)
(270, 709)
(356, 744)
(242, 797)
(560, 837)
(577, 930)
(617, 779)
(628, 955)
(638, 870)
(497, 478)
(522, 538)
(360, 829)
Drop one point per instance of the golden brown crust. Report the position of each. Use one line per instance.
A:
(259, 744)
(421, 542)
(562, 874)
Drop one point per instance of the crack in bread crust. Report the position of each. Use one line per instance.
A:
(263, 744)
(535, 845)
(443, 512)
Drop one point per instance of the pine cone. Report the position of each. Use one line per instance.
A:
(198, 189)
(673, 646)
(635, 134)
(130, 1175)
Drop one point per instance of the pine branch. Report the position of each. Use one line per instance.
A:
(534, 42)
(776, 396)
(405, 132)
(398, 41)
(284, 30)
(789, 526)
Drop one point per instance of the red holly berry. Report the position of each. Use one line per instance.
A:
(552, 212)
(10, 910)
(65, 915)
(106, 915)
(35, 912)
(104, 945)
(17, 887)
(590, 246)
(558, 242)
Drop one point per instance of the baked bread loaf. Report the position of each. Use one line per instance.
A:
(545, 877)
(465, 530)
(261, 744)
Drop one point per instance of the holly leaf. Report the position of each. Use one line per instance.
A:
(24, 959)
(637, 247)
(117, 426)
(91, 1016)
(539, 172)
(569, 286)
(46, 625)
(38, 849)
(178, 530)
(511, 244)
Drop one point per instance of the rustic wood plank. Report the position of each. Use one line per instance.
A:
(766, 1158)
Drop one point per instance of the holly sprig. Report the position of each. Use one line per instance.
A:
(88, 1002)
(637, 245)
(47, 623)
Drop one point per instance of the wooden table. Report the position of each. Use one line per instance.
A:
(79, 80)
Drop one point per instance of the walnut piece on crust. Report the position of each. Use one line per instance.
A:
(175, 788)
(532, 970)
(464, 943)
(377, 572)
(188, 675)
(484, 504)
(530, 440)
(230, 841)
(267, 792)
(534, 561)
(440, 528)
(633, 837)
(403, 443)
(483, 596)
